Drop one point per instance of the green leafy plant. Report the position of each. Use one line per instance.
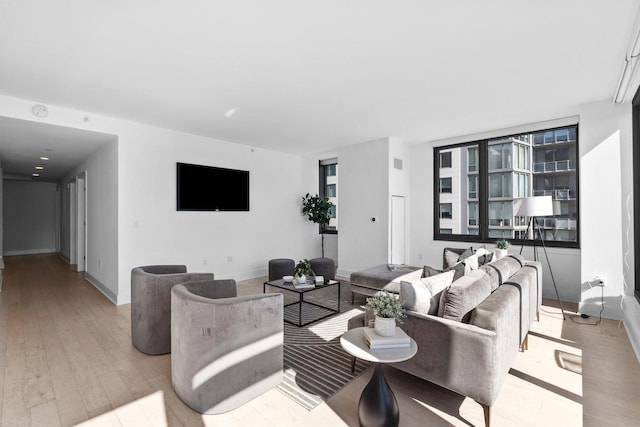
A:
(303, 268)
(503, 244)
(318, 211)
(385, 304)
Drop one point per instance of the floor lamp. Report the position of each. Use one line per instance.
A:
(533, 207)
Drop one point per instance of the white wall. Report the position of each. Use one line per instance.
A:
(363, 194)
(230, 244)
(606, 214)
(150, 230)
(605, 137)
(399, 186)
(29, 217)
(1, 211)
(101, 264)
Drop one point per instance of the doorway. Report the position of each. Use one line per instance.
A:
(81, 221)
(78, 221)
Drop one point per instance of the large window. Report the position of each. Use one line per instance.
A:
(329, 189)
(496, 171)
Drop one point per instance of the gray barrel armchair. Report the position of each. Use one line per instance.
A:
(224, 351)
(151, 304)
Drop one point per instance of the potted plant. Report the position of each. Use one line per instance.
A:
(302, 270)
(387, 309)
(501, 248)
(318, 211)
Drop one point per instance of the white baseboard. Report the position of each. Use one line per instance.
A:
(102, 288)
(342, 272)
(612, 308)
(29, 252)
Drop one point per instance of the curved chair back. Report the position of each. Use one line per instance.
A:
(151, 304)
(280, 267)
(325, 267)
(224, 351)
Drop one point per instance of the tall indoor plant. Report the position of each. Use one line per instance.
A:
(318, 211)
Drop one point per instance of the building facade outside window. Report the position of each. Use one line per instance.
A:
(329, 189)
(492, 173)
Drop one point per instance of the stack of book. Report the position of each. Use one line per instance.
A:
(378, 342)
(307, 285)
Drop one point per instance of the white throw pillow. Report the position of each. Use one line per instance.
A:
(471, 263)
(481, 251)
(423, 295)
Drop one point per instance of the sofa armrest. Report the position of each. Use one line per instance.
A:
(470, 359)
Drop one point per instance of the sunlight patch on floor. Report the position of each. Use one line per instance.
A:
(146, 411)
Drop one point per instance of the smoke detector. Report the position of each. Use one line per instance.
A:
(40, 111)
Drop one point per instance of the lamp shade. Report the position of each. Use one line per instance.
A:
(533, 206)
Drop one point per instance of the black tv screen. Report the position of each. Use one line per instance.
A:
(208, 188)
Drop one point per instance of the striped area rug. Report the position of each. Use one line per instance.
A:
(316, 366)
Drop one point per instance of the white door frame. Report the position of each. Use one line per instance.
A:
(73, 222)
(81, 221)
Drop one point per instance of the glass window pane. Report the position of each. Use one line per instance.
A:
(445, 185)
(472, 159)
(446, 210)
(473, 187)
(445, 159)
(329, 189)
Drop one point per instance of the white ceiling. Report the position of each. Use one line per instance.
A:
(308, 77)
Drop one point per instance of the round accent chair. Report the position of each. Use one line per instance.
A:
(151, 304)
(225, 351)
(325, 267)
(280, 267)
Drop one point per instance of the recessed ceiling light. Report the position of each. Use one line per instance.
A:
(35, 174)
(39, 168)
(44, 158)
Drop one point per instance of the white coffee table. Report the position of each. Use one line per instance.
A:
(378, 405)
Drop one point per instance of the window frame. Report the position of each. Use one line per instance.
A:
(636, 189)
(483, 173)
(323, 165)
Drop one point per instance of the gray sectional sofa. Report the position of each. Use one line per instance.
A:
(467, 342)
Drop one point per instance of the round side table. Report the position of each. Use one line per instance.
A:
(378, 405)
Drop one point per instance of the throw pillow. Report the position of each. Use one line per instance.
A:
(452, 256)
(457, 302)
(458, 270)
(423, 295)
(484, 256)
(471, 263)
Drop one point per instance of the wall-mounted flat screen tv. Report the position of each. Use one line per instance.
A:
(208, 188)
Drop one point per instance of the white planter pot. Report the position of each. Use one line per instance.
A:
(501, 253)
(301, 279)
(384, 326)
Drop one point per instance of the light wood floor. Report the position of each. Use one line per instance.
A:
(66, 359)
